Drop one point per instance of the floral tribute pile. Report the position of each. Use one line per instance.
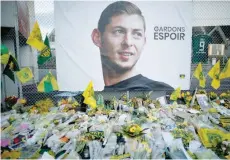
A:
(194, 126)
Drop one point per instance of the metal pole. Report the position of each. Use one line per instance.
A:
(17, 46)
(212, 31)
(3, 84)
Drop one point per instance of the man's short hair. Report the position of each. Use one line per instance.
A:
(118, 8)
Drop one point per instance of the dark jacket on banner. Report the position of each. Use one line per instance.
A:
(139, 83)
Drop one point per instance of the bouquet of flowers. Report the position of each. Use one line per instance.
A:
(212, 96)
(10, 101)
(187, 97)
(225, 95)
(185, 135)
(42, 106)
(224, 99)
(133, 130)
(69, 103)
(201, 91)
(19, 105)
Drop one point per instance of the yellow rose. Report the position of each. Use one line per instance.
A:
(138, 128)
(188, 93)
(189, 98)
(182, 94)
(132, 129)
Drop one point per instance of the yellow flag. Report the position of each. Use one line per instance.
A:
(214, 73)
(4, 58)
(215, 83)
(35, 38)
(89, 90)
(25, 74)
(48, 84)
(91, 102)
(88, 94)
(176, 94)
(226, 71)
(199, 75)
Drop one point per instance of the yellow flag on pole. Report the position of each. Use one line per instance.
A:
(199, 75)
(176, 94)
(25, 74)
(35, 38)
(214, 73)
(88, 94)
(89, 90)
(226, 71)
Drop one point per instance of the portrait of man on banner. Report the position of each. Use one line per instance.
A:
(120, 36)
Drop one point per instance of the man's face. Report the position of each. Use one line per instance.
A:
(122, 42)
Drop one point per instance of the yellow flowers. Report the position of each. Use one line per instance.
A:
(22, 101)
(201, 91)
(196, 107)
(185, 135)
(187, 97)
(225, 95)
(10, 155)
(212, 95)
(42, 106)
(94, 135)
(182, 125)
(133, 130)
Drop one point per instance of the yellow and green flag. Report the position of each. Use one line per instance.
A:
(25, 74)
(35, 38)
(48, 84)
(176, 94)
(45, 53)
(88, 94)
(12, 65)
(199, 75)
(214, 73)
(226, 71)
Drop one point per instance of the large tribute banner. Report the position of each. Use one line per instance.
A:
(123, 45)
